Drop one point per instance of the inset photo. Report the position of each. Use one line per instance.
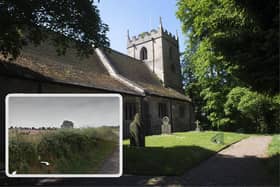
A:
(63, 135)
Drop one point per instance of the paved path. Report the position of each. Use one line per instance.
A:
(239, 164)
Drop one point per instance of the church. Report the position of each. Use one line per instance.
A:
(148, 77)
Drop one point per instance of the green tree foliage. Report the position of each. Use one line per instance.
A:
(223, 46)
(259, 112)
(244, 32)
(30, 21)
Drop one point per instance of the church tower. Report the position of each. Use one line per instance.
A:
(159, 49)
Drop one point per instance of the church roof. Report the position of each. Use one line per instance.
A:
(138, 72)
(41, 62)
(131, 68)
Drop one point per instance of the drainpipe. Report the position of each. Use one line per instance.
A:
(134, 50)
(153, 41)
(171, 116)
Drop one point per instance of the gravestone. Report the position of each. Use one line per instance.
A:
(165, 127)
(197, 125)
(136, 132)
(218, 138)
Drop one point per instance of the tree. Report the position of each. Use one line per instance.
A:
(260, 112)
(217, 64)
(32, 21)
(245, 33)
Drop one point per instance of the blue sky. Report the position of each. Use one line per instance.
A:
(138, 16)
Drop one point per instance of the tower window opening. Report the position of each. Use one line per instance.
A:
(143, 53)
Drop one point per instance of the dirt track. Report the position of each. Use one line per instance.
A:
(111, 165)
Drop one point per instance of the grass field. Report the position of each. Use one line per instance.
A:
(173, 154)
(273, 162)
(69, 151)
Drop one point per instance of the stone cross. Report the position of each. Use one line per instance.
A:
(197, 125)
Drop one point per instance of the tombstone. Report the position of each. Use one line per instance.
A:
(197, 126)
(165, 127)
(67, 124)
(136, 132)
(218, 138)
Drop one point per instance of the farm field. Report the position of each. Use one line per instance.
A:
(173, 154)
(61, 151)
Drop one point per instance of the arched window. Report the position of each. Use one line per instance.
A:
(143, 53)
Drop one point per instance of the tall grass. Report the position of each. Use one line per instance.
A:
(67, 150)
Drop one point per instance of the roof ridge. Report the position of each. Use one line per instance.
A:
(138, 61)
(111, 70)
(120, 53)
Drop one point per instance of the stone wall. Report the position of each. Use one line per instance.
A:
(129, 99)
(172, 67)
(182, 116)
(178, 122)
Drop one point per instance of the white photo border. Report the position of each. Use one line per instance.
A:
(63, 175)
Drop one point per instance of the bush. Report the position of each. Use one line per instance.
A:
(64, 143)
(67, 150)
(252, 111)
(21, 155)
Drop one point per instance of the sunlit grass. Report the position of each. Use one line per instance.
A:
(272, 163)
(173, 154)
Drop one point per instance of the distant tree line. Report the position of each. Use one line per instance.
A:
(33, 128)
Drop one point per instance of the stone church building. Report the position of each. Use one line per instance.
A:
(148, 78)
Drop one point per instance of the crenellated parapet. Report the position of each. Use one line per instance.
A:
(150, 35)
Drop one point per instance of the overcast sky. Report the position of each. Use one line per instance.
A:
(51, 111)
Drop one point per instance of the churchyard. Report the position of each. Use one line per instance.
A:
(61, 151)
(174, 154)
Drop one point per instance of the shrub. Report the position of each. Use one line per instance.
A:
(21, 156)
(67, 150)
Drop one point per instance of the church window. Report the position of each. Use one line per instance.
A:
(162, 110)
(143, 53)
(130, 111)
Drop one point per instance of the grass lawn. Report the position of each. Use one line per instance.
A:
(273, 162)
(173, 154)
(274, 146)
